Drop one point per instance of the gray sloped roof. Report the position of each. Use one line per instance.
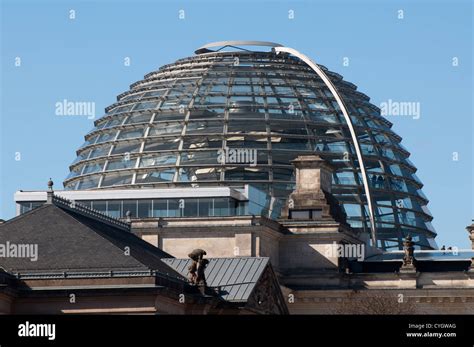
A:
(73, 242)
(236, 277)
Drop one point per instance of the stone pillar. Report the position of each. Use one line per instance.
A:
(50, 192)
(319, 238)
(49, 197)
(312, 174)
(312, 195)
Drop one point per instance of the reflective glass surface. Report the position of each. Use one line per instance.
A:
(184, 125)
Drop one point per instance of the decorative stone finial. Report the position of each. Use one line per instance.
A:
(50, 192)
(50, 184)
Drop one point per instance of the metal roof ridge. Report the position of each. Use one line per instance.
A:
(85, 211)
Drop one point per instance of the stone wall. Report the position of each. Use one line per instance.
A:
(387, 301)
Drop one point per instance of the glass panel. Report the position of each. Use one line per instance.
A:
(83, 155)
(146, 105)
(221, 207)
(116, 120)
(157, 160)
(100, 205)
(126, 147)
(161, 144)
(127, 134)
(107, 136)
(191, 208)
(288, 128)
(116, 179)
(242, 126)
(154, 93)
(145, 209)
(175, 207)
(139, 118)
(93, 167)
(156, 176)
(205, 207)
(100, 151)
(121, 109)
(123, 163)
(76, 171)
(199, 157)
(207, 127)
(352, 210)
(114, 209)
(160, 208)
(130, 205)
(166, 128)
(345, 177)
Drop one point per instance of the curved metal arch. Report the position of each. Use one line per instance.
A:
(205, 48)
(340, 102)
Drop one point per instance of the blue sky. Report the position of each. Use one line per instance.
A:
(409, 59)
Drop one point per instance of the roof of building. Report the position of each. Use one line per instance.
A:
(236, 277)
(422, 255)
(73, 239)
(426, 261)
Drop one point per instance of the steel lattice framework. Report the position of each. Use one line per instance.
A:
(169, 129)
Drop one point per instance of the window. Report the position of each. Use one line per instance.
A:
(100, 151)
(306, 214)
(100, 205)
(114, 208)
(130, 205)
(126, 147)
(139, 118)
(145, 209)
(162, 144)
(206, 207)
(123, 163)
(127, 134)
(107, 136)
(88, 182)
(175, 207)
(166, 128)
(191, 208)
(145, 105)
(157, 160)
(160, 208)
(221, 207)
(156, 176)
(116, 179)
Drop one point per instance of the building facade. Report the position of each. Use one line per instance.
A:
(298, 190)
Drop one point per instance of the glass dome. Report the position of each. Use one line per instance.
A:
(173, 127)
